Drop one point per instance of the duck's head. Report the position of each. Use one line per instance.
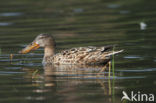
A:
(42, 40)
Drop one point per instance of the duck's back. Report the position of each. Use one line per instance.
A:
(84, 55)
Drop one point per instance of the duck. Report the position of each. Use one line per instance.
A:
(90, 55)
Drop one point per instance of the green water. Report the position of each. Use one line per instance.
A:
(73, 24)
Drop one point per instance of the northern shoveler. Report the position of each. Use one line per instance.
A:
(81, 55)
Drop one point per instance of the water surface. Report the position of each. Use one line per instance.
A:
(73, 24)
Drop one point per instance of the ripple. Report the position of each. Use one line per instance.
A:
(133, 77)
(13, 68)
(137, 70)
(113, 6)
(133, 57)
(28, 64)
(5, 24)
(78, 10)
(124, 12)
(9, 72)
(92, 77)
(11, 14)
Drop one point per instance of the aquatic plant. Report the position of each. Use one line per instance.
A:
(113, 61)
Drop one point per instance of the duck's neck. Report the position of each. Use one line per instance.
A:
(49, 51)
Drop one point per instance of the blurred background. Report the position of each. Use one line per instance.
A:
(128, 23)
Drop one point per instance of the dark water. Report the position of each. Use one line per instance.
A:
(73, 24)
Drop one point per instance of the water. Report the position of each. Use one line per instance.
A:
(73, 24)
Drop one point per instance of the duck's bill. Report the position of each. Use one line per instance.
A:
(30, 47)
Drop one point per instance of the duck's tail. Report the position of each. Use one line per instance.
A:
(104, 58)
(114, 52)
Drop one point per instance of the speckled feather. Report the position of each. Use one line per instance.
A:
(83, 55)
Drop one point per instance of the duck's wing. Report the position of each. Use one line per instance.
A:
(85, 55)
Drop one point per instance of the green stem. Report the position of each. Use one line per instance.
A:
(113, 64)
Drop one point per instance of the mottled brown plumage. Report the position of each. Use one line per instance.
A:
(81, 55)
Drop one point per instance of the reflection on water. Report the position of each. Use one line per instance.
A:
(65, 81)
(5, 24)
(113, 6)
(133, 57)
(11, 14)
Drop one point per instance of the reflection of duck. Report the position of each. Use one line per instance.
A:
(81, 55)
(69, 84)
